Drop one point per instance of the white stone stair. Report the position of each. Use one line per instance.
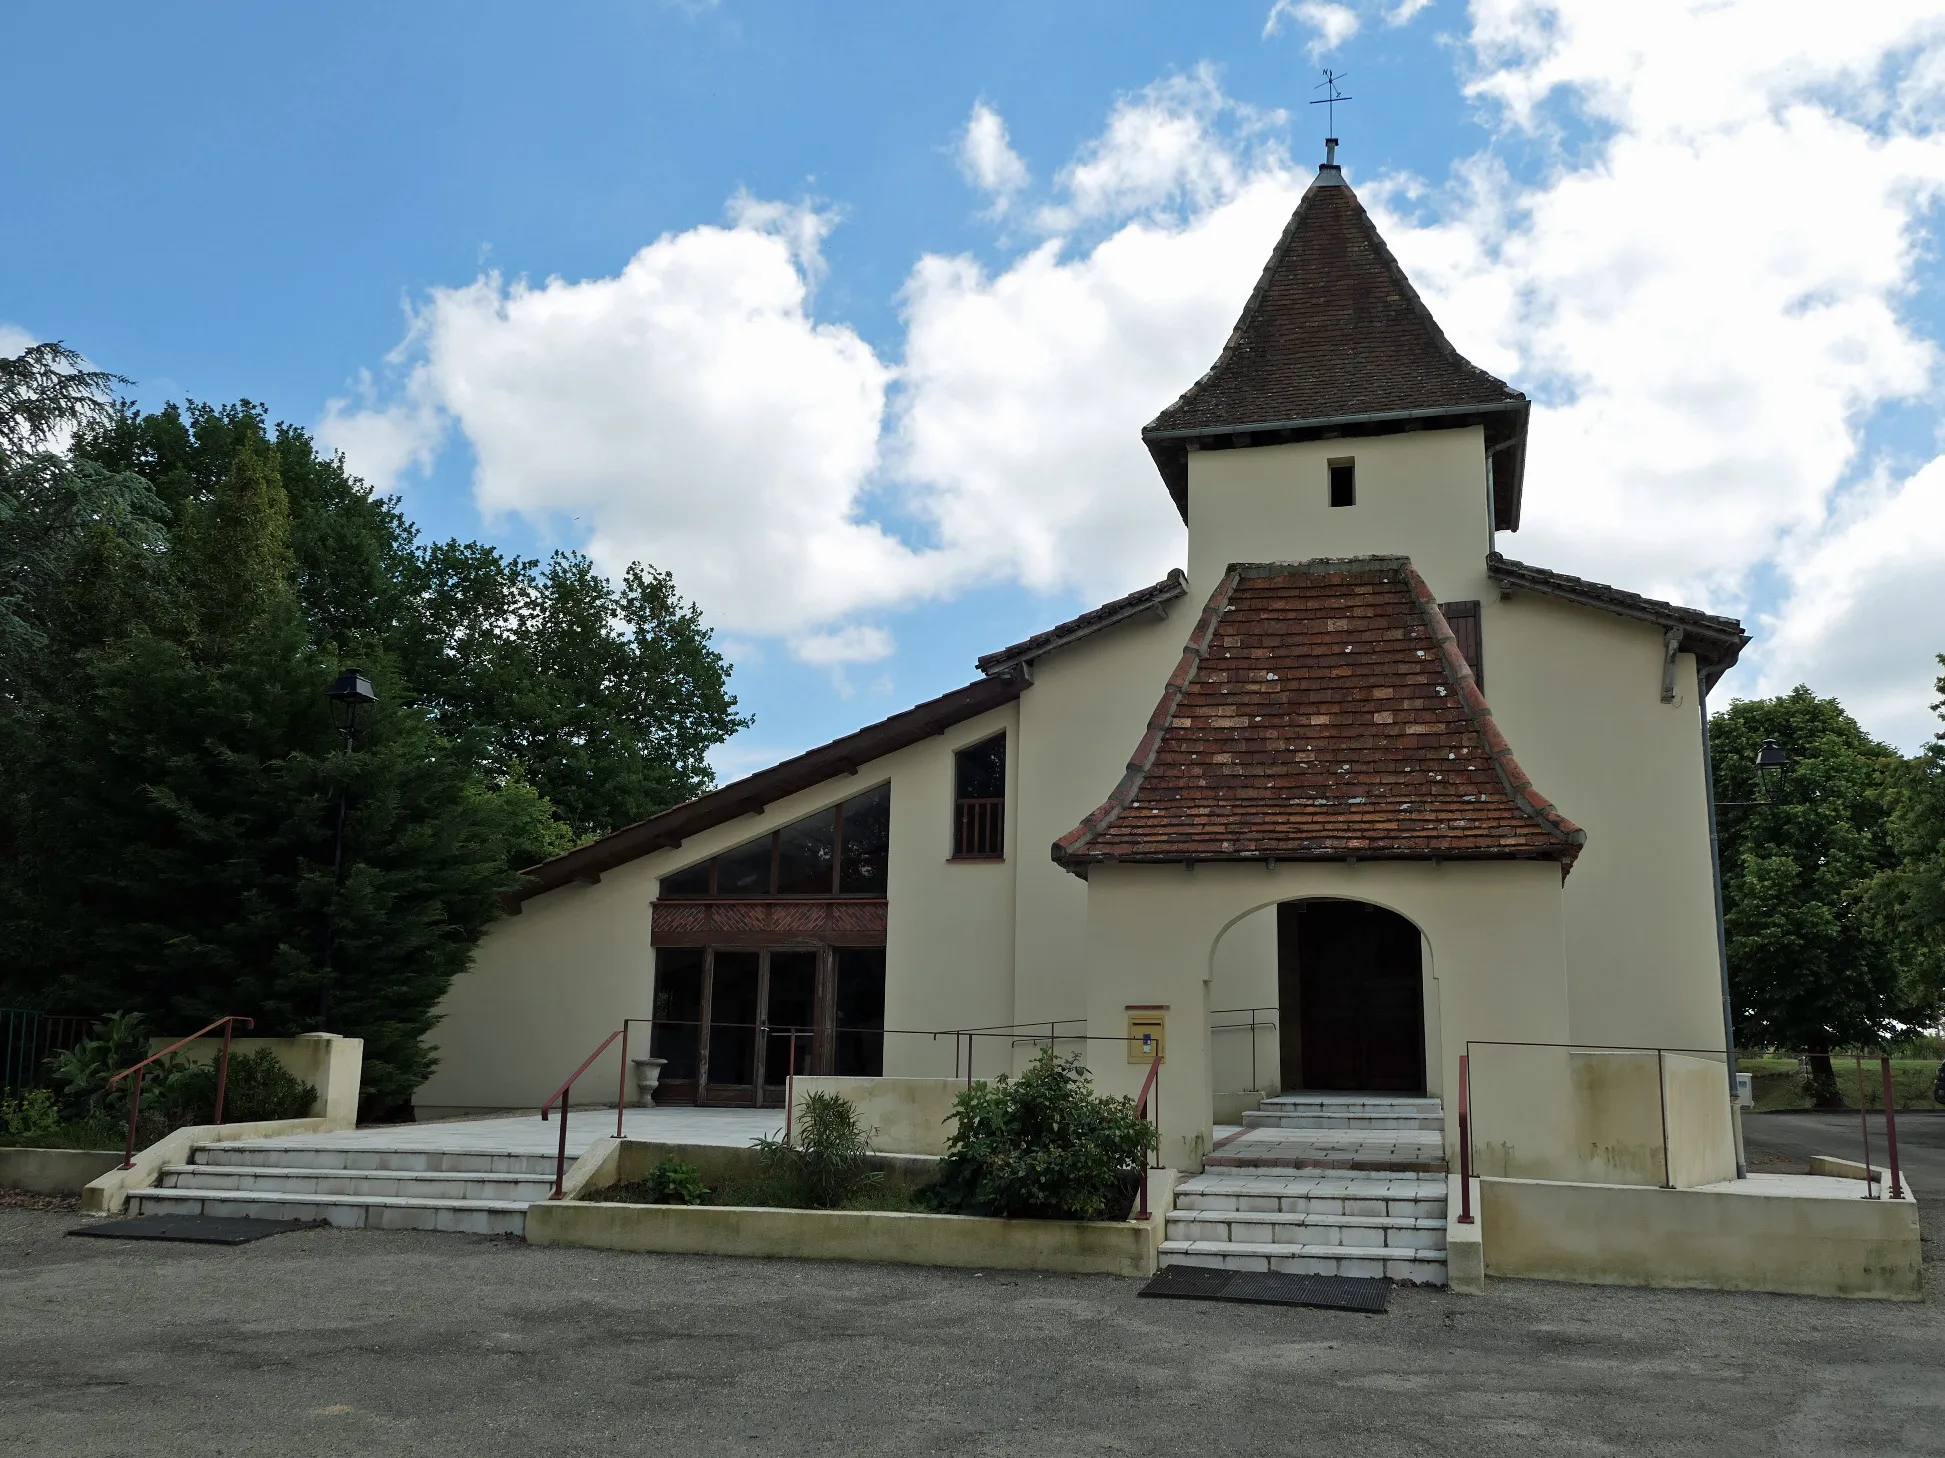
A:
(1335, 1186)
(1323, 1111)
(477, 1192)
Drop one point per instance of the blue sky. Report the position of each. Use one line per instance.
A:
(856, 310)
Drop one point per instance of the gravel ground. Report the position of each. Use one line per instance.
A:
(366, 1342)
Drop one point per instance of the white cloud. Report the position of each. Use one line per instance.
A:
(14, 340)
(1710, 301)
(1406, 11)
(857, 643)
(384, 441)
(1330, 24)
(1173, 147)
(987, 159)
(1707, 290)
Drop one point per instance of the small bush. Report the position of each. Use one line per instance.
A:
(30, 1118)
(1043, 1146)
(822, 1165)
(175, 1091)
(671, 1182)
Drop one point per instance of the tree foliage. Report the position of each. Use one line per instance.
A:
(1814, 963)
(177, 590)
(1913, 895)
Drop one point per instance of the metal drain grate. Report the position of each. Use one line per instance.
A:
(202, 1229)
(1269, 1288)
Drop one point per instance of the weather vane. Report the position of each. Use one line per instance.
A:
(1329, 101)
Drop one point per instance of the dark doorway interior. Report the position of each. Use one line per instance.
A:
(1350, 981)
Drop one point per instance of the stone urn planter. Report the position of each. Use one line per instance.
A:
(648, 1075)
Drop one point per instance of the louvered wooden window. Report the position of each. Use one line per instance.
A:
(1464, 618)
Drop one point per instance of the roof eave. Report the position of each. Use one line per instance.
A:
(1169, 449)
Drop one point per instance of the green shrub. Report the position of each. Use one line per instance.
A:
(175, 1091)
(671, 1182)
(29, 1118)
(823, 1164)
(1043, 1146)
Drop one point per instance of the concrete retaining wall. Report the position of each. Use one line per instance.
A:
(1080, 1246)
(904, 1115)
(53, 1171)
(1791, 1233)
(331, 1064)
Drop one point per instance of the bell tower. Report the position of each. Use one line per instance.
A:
(1338, 419)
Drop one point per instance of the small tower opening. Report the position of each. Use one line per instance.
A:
(1343, 482)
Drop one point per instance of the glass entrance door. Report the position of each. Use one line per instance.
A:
(790, 1021)
(729, 1070)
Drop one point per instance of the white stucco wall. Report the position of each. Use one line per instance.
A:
(1079, 723)
(547, 985)
(1243, 976)
(1495, 936)
(1421, 495)
(1577, 693)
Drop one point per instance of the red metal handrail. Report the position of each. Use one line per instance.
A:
(563, 1097)
(1465, 1139)
(222, 1076)
(1890, 1129)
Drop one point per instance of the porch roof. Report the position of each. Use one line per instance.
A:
(1322, 710)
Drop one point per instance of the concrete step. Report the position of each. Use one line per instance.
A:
(444, 1185)
(1314, 1192)
(279, 1154)
(1376, 1232)
(1358, 1119)
(1420, 1267)
(1415, 1150)
(350, 1212)
(1327, 1103)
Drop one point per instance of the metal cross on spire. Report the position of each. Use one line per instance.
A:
(1329, 101)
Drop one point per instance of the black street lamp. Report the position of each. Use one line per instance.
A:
(348, 694)
(1772, 758)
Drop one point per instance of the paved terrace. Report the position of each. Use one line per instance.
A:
(528, 1134)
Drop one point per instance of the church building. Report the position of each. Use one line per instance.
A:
(1351, 796)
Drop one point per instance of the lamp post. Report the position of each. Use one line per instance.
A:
(350, 692)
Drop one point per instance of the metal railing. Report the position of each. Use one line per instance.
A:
(1015, 1034)
(1466, 1160)
(29, 1037)
(1252, 1027)
(228, 1025)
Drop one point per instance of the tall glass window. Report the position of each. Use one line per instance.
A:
(844, 850)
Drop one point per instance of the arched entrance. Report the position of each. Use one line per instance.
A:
(1350, 989)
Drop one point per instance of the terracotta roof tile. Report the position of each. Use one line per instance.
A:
(1716, 641)
(1322, 710)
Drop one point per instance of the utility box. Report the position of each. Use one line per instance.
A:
(1147, 1034)
(1745, 1091)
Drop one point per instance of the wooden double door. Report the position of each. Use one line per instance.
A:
(1350, 982)
(734, 1023)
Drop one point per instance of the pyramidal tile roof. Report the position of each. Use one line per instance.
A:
(1333, 334)
(1322, 710)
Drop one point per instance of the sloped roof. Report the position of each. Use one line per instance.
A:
(753, 792)
(1155, 598)
(1716, 641)
(1322, 710)
(1334, 335)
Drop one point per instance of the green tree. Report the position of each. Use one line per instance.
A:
(176, 592)
(1813, 964)
(1913, 894)
(608, 698)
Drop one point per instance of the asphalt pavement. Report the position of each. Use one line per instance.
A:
(370, 1342)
